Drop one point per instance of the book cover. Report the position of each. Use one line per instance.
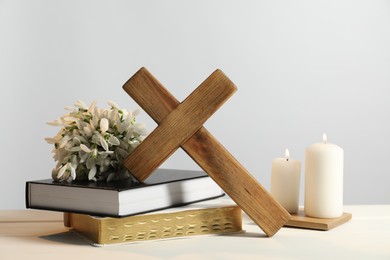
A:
(204, 218)
(164, 189)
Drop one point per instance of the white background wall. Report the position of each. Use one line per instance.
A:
(301, 67)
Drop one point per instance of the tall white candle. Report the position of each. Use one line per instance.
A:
(285, 180)
(324, 166)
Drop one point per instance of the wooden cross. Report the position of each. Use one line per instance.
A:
(181, 125)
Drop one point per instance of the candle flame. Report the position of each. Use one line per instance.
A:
(287, 153)
(324, 138)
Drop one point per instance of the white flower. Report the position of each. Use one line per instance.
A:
(93, 142)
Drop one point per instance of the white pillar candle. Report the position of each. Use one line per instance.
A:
(324, 166)
(285, 180)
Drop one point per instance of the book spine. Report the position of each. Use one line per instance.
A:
(27, 195)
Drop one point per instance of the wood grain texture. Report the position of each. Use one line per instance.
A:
(299, 220)
(211, 156)
(179, 125)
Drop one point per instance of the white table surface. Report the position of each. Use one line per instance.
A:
(29, 234)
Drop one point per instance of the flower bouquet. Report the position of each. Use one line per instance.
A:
(93, 142)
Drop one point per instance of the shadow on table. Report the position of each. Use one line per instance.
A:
(72, 238)
(248, 235)
(65, 237)
(245, 234)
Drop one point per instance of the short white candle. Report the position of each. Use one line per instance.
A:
(324, 166)
(285, 180)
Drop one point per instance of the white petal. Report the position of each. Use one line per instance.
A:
(129, 134)
(65, 176)
(111, 176)
(113, 140)
(92, 106)
(103, 143)
(50, 140)
(54, 174)
(104, 113)
(95, 119)
(70, 119)
(103, 125)
(82, 139)
(90, 163)
(113, 115)
(63, 141)
(112, 104)
(74, 162)
(76, 140)
(92, 173)
(134, 144)
(87, 130)
(74, 149)
(136, 112)
(81, 104)
(85, 148)
(122, 127)
(107, 161)
(105, 153)
(140, 129)
(54, 123)
(121, 152)
(103, 168)
(62, 171)
(69, 108)
(73, 173)
(83, 157)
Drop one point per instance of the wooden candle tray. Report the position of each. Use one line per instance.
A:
(300, 220)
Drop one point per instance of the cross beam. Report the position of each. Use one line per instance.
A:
(180, 125)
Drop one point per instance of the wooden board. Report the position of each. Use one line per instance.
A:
(210, 155)
(299, 220)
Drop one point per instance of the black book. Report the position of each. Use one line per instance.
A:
(165, 188)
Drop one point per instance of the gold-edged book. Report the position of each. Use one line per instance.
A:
(191, 220)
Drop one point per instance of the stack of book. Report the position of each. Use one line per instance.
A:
(170, 204)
